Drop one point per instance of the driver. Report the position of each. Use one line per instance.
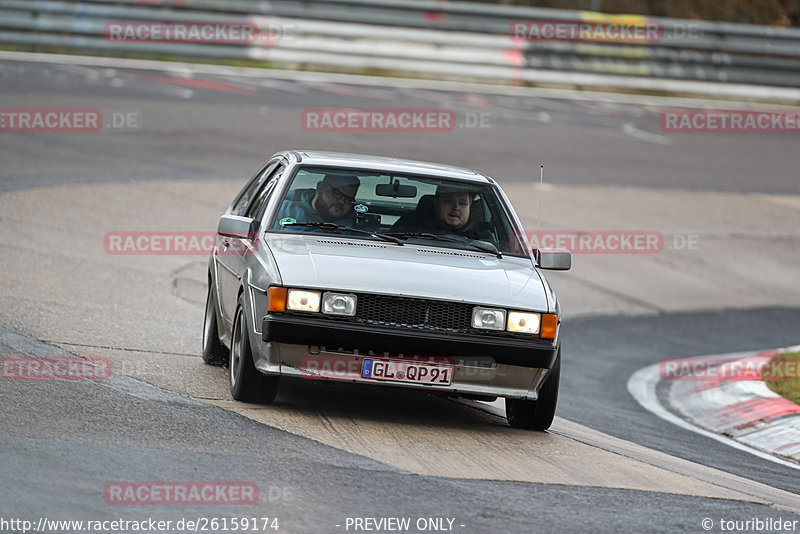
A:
(331, 201)
(449, 214)
(451, 211)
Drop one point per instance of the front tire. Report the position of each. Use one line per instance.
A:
(247, 383)
(214, 352)
(538, 414)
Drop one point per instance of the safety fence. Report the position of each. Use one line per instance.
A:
(427, 38)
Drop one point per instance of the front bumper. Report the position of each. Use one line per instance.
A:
(336, 335)
(494, 367)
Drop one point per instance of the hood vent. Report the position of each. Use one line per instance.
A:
(449, 253)
(444, 252)
(349, 243)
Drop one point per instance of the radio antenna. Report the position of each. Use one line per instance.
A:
(541, 189)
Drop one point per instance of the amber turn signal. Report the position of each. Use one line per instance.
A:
(549, 326)
(276, 299)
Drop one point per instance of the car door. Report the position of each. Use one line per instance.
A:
(228, 254)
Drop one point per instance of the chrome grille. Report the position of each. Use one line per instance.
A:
(418, 314)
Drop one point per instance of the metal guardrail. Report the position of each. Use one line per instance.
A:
(450, 39)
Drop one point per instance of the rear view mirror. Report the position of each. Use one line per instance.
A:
(553, 259)
(396, 190)
(240, 227)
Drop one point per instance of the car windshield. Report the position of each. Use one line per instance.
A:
(415, 209)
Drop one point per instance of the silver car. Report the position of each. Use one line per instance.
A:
(382, 271)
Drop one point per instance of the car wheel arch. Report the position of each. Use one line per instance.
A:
(248, 302)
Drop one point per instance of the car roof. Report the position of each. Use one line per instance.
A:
(383, 163)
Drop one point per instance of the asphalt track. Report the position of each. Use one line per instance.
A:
(323, 454)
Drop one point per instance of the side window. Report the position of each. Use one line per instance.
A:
(240, 208)
(256, 210)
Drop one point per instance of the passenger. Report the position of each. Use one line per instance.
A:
(331, 201)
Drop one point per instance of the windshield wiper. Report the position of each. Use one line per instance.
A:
(334, 226)
(488, 248)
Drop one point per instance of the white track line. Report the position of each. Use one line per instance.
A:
(642, 386)
(631, 130)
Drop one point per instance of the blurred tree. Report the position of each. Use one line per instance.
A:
(768, 12)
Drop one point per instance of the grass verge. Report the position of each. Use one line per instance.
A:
(782, 375)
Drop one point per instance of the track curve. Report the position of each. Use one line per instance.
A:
(400, 453)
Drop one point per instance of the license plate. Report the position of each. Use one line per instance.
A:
(439, 374)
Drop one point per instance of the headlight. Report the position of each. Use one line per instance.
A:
(300, 300)
(339, 304)
(488, 318)
(526, 323)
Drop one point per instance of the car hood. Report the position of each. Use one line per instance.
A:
(371, 266)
